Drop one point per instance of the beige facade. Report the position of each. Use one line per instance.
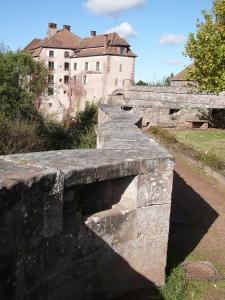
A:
(92, 70)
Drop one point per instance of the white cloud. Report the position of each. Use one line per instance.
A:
(125, 30)
(174, 62)
(171, 39)
(112, 7)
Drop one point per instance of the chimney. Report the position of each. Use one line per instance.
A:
(52, 29)
(93, 33)
(67, 27)
(106, 40)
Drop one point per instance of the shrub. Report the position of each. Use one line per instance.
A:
(18, 136)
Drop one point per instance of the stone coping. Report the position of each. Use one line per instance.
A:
(124, 151)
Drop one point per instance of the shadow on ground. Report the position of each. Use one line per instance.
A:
(191, 218)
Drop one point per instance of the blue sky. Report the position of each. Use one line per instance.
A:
(146, 22)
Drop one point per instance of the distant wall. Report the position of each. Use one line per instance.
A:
(86, 224)
(168, 106)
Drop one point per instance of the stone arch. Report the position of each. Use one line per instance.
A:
(118, 92)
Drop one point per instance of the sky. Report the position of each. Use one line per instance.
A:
(156, 29)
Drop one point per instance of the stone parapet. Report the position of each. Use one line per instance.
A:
(86, 224)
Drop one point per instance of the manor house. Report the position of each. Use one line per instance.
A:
(81, 70)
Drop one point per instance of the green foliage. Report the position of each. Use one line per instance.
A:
(164, 134)
(206, 147)
(176, 287)
(83, 129)
(167, 80)
(19, 135)
(207, 50)
(22, 127)
(22, 81)
(141, 82)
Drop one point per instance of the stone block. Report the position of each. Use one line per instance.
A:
(155, 188)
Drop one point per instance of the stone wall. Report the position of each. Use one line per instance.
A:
(86, 224)
(168, 106)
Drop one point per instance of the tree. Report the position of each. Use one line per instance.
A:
(22, 81)
(167, 81)
(207, 50)
(141, 82)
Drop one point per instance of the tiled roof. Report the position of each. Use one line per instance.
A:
(182, 75)
(101, 51)
(36, 52)
(62, 39)
(98, 41)
(33, 44)
(87, 47)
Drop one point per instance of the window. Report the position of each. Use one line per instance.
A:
(122, 50)
(173, 111)
(97, 66)
(116, 82)
(66, 66)
(66, 79)
(50, 79)
(75, 79)
(75, 66)
(86, 66)
(51, 65)
(85, 80)
(121, 68)
(66, 54)
(123, 82)
(51, 53)
(60, 80)
(50, 91)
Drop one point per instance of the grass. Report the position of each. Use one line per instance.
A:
(178, 287)
(207, 147)
(212, 141)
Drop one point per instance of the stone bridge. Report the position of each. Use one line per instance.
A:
(86, 224)
(170, 106)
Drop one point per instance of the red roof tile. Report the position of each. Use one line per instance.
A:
(98, 41)
(87, 47)
(101, 51)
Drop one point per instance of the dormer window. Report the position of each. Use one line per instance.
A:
(66, 54)
(122, 50)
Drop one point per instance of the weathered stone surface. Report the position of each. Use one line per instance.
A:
(154, 188)
(86, 224)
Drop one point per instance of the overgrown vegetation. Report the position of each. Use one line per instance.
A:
(166, 81)
(204, 146)
(22, 127)
(25, 135)
(207, 50)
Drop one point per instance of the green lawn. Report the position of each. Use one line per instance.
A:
(208, 142)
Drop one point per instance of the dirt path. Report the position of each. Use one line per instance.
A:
(198, 219)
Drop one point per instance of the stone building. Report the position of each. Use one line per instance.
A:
(82, 70)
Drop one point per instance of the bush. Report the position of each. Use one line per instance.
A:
(18, 136)
(82, 130)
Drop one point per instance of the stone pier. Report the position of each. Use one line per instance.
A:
(86, 224)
